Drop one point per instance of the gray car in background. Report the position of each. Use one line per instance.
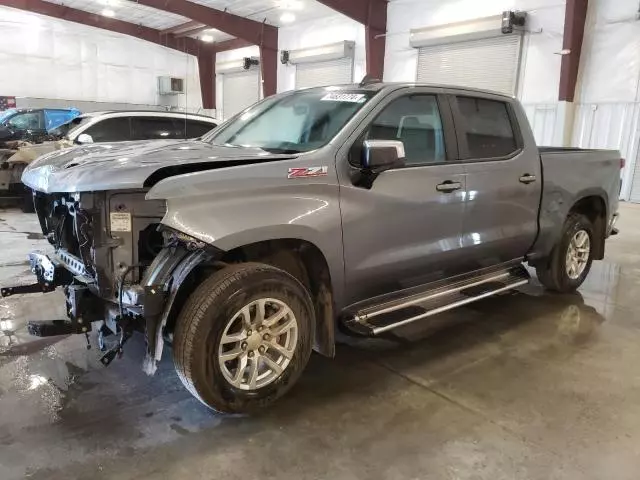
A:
(361, 207)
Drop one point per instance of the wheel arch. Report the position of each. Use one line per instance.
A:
(594, 206)
(308, 264)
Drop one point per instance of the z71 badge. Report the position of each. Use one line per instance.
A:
(305, 172)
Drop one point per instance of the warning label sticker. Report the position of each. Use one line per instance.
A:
(120, 221)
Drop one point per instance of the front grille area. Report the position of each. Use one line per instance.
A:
(68, 226)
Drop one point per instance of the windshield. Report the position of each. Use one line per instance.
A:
(300, 122)
(6, 114)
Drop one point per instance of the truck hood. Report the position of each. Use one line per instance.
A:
(128, 165)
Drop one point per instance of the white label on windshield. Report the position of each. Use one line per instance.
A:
(120, 221)
(344, 97)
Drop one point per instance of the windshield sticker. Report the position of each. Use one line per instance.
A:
(344, 97)
(308, 172)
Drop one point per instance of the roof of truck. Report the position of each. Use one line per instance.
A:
(377, 86)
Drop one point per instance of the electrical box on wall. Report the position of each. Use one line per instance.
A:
(511, 19)
(170, 85)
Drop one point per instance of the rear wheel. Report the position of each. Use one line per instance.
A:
(243, 337)
(571, 259)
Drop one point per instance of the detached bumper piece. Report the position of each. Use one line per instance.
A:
(50, 328)
(24, 289)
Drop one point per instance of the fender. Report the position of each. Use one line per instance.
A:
(168, 271)
(239, 206)
(554, 209)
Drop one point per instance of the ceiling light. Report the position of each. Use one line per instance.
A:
(287, 17)
(291, 4)
(109, 3)
(207, 38)
(107, 12)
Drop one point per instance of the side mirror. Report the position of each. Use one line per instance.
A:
(84, 138)
(381, 155)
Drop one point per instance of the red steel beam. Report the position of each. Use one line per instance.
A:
(190, 25)
(207, 75)
(373, 15)
(574, 21)
(232, 44)
(257, 33)
(187, 45)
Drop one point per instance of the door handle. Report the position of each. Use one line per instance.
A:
(526, 179)
(449, 186)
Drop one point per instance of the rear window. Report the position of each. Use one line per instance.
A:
(197, 129)
(487, 128)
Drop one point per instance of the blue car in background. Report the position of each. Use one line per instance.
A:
(34, 124)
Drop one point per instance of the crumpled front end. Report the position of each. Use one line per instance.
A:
(115, 263)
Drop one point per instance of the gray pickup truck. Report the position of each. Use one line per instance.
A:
(362, 207)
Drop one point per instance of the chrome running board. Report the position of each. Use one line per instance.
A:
(387, 315)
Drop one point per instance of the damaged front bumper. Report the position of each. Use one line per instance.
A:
(146, 306)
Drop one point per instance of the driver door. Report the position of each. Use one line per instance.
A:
(405, 230)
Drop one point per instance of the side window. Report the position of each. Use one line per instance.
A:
(487, 127)
(196, 129)
(110, 130)
(152, 128)
(415, 121)
(27, 121)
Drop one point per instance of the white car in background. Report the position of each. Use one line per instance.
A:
(121, 126)
(102, 127)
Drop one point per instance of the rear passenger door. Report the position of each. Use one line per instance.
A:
(155, 128)
(503, 181)
(116, 129)
(405, 228)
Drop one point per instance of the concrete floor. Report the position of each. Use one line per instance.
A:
(525, 386)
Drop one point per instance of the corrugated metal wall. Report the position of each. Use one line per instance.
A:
(543, 118)
(615, 126)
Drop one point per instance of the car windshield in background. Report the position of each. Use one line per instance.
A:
(6, 114)
(300, 122)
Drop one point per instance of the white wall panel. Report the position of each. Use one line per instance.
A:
(614, 126)
(42, 57)
(543, 119)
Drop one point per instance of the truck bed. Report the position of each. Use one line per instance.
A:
(570, 175)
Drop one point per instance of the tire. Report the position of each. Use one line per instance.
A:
(209, 314)
(554, 274)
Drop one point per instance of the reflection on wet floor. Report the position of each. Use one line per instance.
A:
(524, 385)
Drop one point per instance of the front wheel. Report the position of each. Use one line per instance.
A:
(571, 259)
(243, 337)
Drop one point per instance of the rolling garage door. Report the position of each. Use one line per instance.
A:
(488, 63)
(239, 90)
(319, 74)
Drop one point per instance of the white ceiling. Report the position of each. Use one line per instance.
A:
(127, 11)
(270, 11)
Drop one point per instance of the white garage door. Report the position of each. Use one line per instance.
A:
(489, 63)
(239, 90)
(319, 74)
